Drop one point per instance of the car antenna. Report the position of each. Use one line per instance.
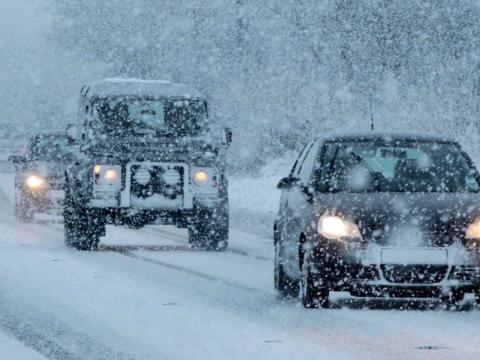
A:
(371, 115)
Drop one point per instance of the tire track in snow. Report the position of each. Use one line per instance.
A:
(180, 239)
(190, 271)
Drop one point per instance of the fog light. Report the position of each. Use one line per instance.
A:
(142, 176)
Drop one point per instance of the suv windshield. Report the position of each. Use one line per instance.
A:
(49, 148)
(123, 116)
(403, 166)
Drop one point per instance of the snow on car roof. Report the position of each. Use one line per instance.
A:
(139, 87)
(386, 135)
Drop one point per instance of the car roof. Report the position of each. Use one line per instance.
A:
(139, 88)
(386, 136)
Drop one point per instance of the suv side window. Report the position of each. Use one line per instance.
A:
(29, 148)
(299, 161)
(305, 169)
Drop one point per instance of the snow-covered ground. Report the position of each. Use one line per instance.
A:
(145, 295)
(254, 199)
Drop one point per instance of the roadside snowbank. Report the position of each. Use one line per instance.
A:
(254, 199)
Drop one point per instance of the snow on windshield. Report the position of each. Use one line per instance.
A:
(405, 166)
(120, 115)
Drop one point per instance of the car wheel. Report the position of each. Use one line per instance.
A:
(314, 294)
(82, 229)
(208, 230)
(286, 287)
(23, 209)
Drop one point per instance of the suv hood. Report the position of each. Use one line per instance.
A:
(423, 219)
(157, 149)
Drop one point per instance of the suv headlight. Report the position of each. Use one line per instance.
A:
(473, 230)
(334, 228)
(205, 180)
(107, 177)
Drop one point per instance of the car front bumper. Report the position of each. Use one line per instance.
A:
(49, 199)
(377, 269)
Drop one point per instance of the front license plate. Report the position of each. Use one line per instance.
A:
(404, 256)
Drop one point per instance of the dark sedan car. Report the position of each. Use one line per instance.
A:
(40, 175)
(379, 215)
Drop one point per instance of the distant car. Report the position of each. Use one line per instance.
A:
(379, 215)
(40, 175)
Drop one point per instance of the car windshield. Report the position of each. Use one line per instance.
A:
(123, 116)
(403, 166)
(49, 148)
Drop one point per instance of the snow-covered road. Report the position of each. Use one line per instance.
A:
(145, 295)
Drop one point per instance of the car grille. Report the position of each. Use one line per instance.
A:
(414, 274)
(429, 237)
(465, 273)
(163, 180)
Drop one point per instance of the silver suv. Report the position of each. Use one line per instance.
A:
(146, 153)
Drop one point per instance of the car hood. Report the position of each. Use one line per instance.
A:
(423, 219)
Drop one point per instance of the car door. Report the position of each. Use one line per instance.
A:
(282, 218)
(22, 167)
(297, 207)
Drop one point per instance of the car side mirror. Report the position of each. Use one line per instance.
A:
(288, 182)
(72, 132)
(227, 136)
(16, 159)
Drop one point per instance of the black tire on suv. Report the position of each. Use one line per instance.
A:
(208, 230)
(82, 229)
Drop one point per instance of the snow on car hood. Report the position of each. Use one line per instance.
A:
(406, 219)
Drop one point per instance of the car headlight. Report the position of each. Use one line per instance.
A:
(200, 177)
(334, 227)
(473, 230)
(35, 182)
(107, 177)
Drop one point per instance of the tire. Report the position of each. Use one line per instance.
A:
(208, 230)
(452, 300)
(23, 209)
(286, 287)
(477, 296)
(314, 294)
(82, 229)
